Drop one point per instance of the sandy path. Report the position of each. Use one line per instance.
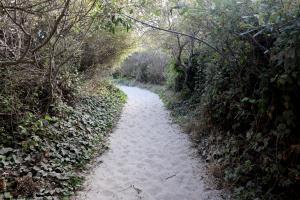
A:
(149, 158)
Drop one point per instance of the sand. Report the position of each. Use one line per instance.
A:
(149, 158)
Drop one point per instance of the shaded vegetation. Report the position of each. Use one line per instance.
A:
(55, 109)
(146, 66)
(49, 151)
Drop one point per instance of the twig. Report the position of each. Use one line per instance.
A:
(170, 177)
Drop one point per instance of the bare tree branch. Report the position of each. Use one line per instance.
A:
(54, 28)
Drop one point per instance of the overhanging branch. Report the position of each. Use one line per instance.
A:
(177, 33)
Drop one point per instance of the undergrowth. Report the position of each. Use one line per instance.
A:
(50, 151)
(228, 158)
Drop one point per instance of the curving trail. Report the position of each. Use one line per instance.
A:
(149, 157)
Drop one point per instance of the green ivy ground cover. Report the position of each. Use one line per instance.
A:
(51, 150)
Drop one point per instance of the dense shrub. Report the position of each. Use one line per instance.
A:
(244, 103)
(147, 66)
(46, 49)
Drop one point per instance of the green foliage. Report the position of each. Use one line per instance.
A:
(245, 102)
(49, 150)
(171, 75)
